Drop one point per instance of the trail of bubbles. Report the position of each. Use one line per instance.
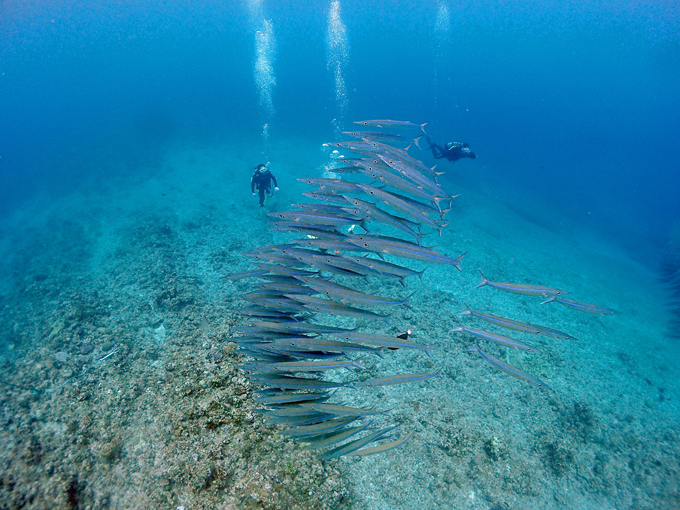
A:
(265, 48)
(263, 72)
(442, 29)
(255, 7)
(443, 24)
(337, 55)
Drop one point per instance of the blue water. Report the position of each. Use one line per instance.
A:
(571, 103)
(573, 110)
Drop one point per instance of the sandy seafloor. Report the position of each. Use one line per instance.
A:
(132, 269)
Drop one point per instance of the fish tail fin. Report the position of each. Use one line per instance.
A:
(474, 348)
(456, 262)
(435, 201)
(484, 280)
(362, 223)
(467, 311)
(459, 328)
(441, 227)
(416, 140)
(428, 350)
(406, 301)
(551, 298)
(422, 127)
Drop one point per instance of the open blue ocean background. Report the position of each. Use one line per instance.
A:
(130, 129)
(568, 103)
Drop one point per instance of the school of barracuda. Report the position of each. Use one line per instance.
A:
(289, 347)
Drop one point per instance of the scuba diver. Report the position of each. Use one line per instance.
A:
(262, 179)
(452, 152)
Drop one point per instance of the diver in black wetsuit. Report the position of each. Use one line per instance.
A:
(262, 179)
(452, 152)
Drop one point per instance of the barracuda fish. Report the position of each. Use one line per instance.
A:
(285, 271)
(263, 294)
(299, 327)
(376, 135)
(388, 268)
(518, 326)
(275, 248)
(338, 291)
(383, 447)
(397, 379)
(334, 269)
(426, 208)
(390, 342)
(394, 181)
(581, 307)
(285, 287)
(314, 218)
(344, 170)
(402, 206)
(282, 304)
(509, 369)
(300, 354)
(277, 258)
(332, 184)
(315, 230)
(325, 208)
(294, 383)
(321, 428)
(299, 421)
(386, 123)
(341, 262)
(356, 444)
(542, 330)
(502, 321)
(499, 339)
(520, 288)
(403, 155)
(342, 410)
(313, 366)
(347, 161)
(412, 173)
(292, 398)
(406, 250)
(358, 147)
(336, 437)
(289, 410)
(264, 313)
(330, 197)
(325, 306)
(327, 345)
(330, 245)
(372, 212)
